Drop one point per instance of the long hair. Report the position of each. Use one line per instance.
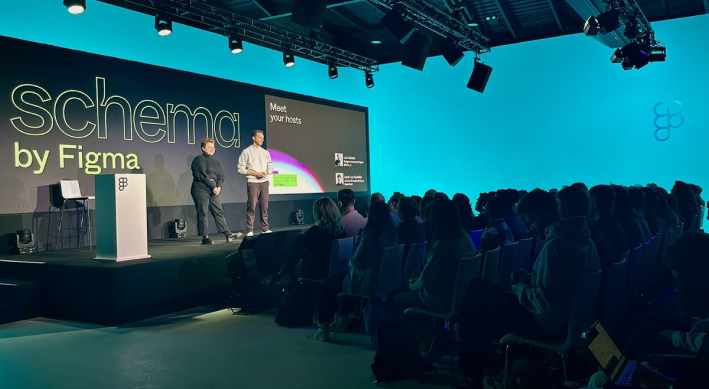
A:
(327, 216)
(379, 221)
(445, 220)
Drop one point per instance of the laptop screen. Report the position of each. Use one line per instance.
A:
(605, 351)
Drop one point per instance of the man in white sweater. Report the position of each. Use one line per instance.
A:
(255, 163)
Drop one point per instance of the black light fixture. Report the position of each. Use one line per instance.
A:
(235, 44)
(178, 228)
(75, 7)
(25, 241)
(369, 79)
(332, 71)
(631, 29)
(288, 59)
(163, 25)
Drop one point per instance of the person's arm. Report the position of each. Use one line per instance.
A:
(242, 166)
(199, 171)
(550, 284)
(365, 250)
(220, 174)
(269, 163)
(432, 267)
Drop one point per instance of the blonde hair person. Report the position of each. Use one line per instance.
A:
(328, 216)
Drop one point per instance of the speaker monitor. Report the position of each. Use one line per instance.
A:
(450, 51)
(416, 51)
(478, 80)
(309, 13)
(398, 26)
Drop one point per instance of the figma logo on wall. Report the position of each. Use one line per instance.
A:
(664, 113)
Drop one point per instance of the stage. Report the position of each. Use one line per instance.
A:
(70, 284)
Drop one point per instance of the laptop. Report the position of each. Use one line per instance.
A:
(611, 360)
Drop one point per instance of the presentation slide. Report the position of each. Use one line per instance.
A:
(316, 148)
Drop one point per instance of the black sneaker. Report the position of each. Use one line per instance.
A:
(206, 240)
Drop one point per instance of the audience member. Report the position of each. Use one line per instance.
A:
(379, 233)
(374, 197)
(441, 196)
(430, 193)
(467, 219)
(497, 233)
(409, 231)
(628, 220)
(393, 202)
(538, 309)
(311, 257)
(637, 198)
(514, 222)
(433, 290)
(654, 222)
(352, 221)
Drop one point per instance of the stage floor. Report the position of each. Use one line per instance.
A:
(180, 274)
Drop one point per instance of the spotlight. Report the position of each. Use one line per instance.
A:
(332, 71)
(288, 59)
(75, 7)
(178, 229)
(618, 56)
(25, 241)
(638, 56)
(163, 25)
(658, 54)
(235, 44)
(604, 23)
(376, 42)
(298, 217)
(369, 80)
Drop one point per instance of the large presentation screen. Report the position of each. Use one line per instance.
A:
(100, 115)
(316, 148)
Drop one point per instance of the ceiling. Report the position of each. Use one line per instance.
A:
(351, 25)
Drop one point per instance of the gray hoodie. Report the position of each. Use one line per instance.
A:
(567, 254)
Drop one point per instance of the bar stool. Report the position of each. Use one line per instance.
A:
(66, 195)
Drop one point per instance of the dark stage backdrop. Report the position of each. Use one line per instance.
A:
(66, 114)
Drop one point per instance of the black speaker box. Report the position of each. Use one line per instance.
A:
(416, 51)
(450, 51)
(398, 26)
(309, 13)
(478, 80)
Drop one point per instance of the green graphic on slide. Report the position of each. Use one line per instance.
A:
(285, 180)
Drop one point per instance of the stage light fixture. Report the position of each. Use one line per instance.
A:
(235, 44)
(288, 59)
(636, 55)
(631, 29)
(178, 228)
(617, 56)
(75, 7)
(25, 241)
(609, 21)
(163, 25)
(658, 54)
(591, 27)
(376, 42)
(332, 71)
(369, 80)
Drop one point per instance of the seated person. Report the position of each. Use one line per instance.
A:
(352, 221)
(539, 309)
(363, 276)
(467, 219)
(497, 233)
(311, 254)
(409, 231)
(433, 290)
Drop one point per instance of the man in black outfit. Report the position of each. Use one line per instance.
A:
(207, 182)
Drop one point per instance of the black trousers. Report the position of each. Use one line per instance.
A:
(205, 200)
(487, 314)
(329, 290)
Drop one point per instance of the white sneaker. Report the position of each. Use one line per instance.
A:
(267, 232)
(323, 333)
(341, 323)
(250, 233)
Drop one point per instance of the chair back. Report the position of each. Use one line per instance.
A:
(635, 272)
(583, 308)
(510, 253)
(340, 255)
(70, 189)
(414, 260)
(524, 254)
(390, 270)
(614, 294)
(491, 265)
(265, 253)
(476, 236)
(468, 270)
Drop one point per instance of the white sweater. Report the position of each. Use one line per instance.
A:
(257, 159)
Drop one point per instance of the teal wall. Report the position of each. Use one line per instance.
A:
(555, 111)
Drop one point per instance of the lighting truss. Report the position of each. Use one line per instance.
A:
(631, 14)
(439, 22)
(252, 30)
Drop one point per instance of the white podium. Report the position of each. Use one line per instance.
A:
(121, 217)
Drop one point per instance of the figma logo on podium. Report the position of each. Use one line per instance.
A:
(122, 183)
